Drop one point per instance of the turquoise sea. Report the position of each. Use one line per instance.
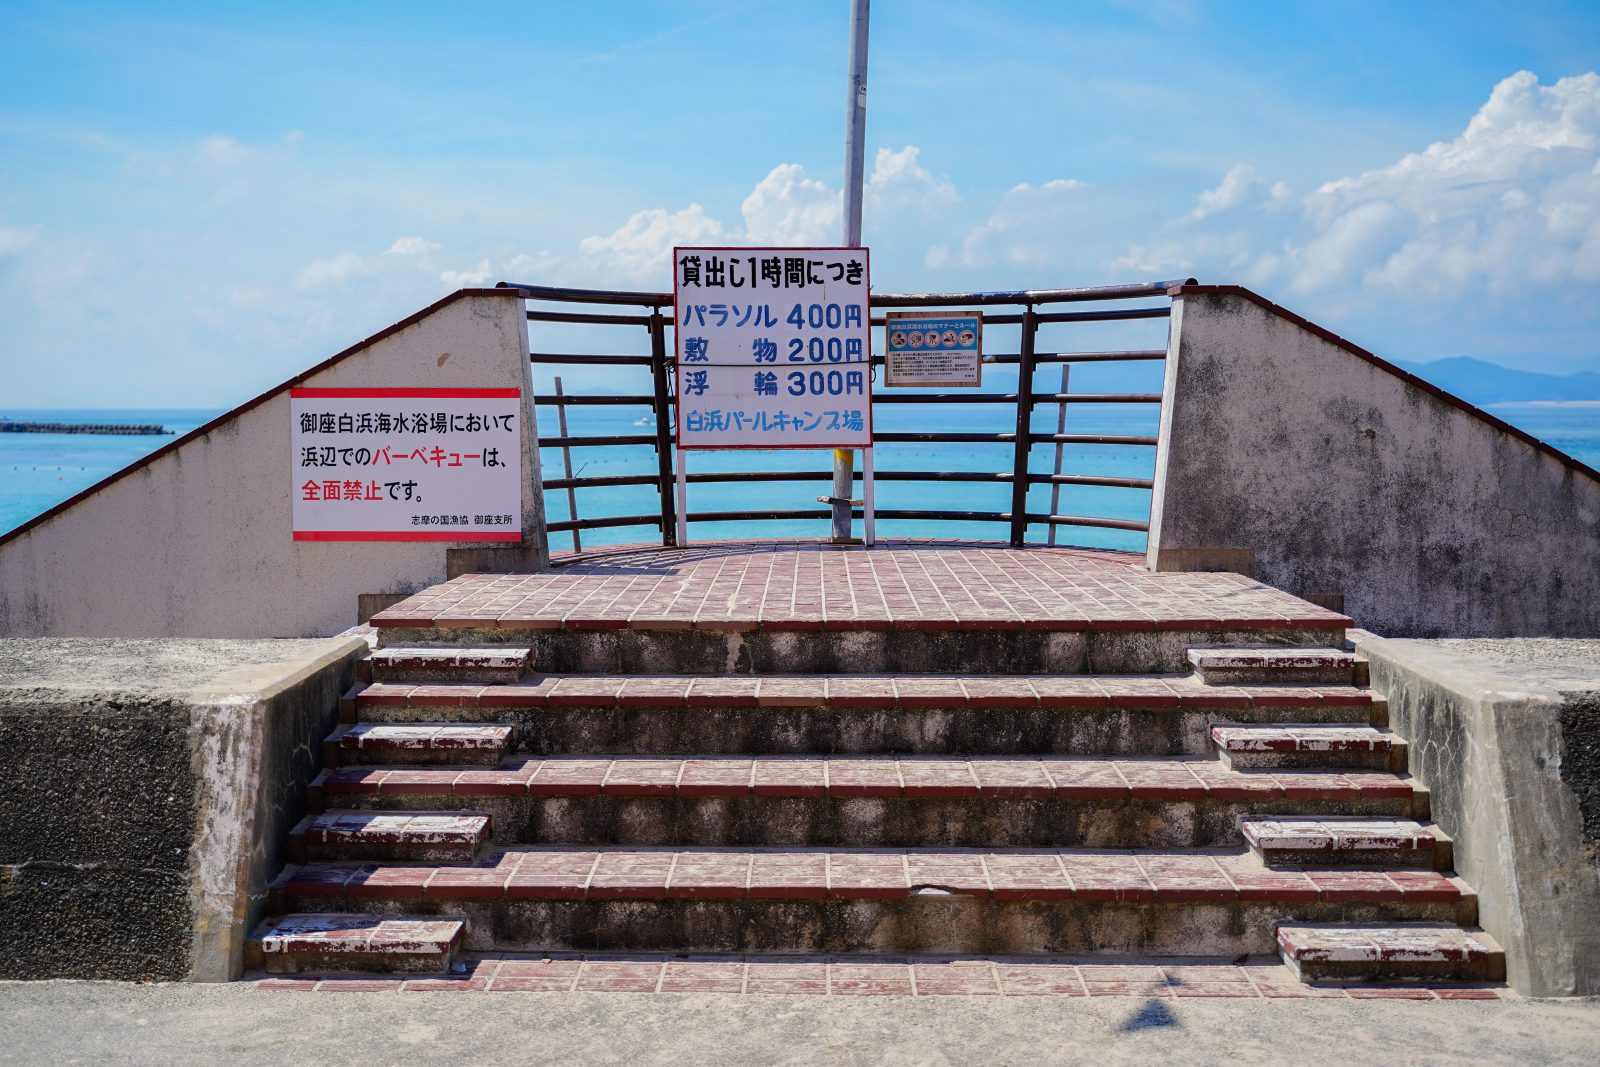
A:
(40, 470)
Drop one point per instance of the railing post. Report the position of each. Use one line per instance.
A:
(658, 376)
(1019, 467)
(1061, 428)
(566, 466)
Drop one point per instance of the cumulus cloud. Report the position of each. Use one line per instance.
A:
(1025, 226)
(1489, 219)
(411, 246)
(477, 275)
(638, 251)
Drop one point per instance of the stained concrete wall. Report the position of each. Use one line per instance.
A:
(149, 790)
(1291, 455)
(196, 542)
(1506, 736)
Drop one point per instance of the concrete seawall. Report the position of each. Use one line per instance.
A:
(150, 788)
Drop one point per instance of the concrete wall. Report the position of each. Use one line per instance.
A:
(196, 541)
(1506, 736)
(1316, 467)
(149, 789)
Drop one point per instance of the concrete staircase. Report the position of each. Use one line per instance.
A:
(838, 791)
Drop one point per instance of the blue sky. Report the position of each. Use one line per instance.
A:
(197, 201)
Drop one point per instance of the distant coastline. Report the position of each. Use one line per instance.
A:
(124, 429)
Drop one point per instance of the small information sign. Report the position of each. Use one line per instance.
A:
(406, 464)
(933, 348)
(773, 348)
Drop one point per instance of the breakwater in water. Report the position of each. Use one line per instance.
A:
(123, 428)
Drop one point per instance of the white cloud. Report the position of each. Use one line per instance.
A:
(460, 279)
(788, 208)
(326, 273)
(411, 246)
(13, 241)
(1025, 227)
(637, 253)
(1240, 186)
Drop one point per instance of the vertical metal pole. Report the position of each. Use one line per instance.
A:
(682, 482)
(1061, 427)
(566, 466)
(855, 155)
(1019, 466)
(868, 519)
(658, 377)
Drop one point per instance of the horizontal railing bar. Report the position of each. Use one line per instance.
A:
(1011, 398)
(1100, 357)
(586, 317)
(1091, 439)
(1104, 316)
(1087, 520)
(1089, 479)
(951, 438)
(1093, 398)
(742, 516)
(592, 400)
(588, 296)
(594, 524)
(581, 358)
(714, 477)
(1029, 296)
(1129, 291)
(597, 441)
(600, 481)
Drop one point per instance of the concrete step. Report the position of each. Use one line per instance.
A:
(1342, 841)
(864, 801)
(1275, 666)
(1308, 745)
(353, 943)
(866, 714)
(485, 666)
(884, 901)
(1371, 952)
(418, 744)
(425, 836)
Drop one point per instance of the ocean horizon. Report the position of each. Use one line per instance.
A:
(38, 471)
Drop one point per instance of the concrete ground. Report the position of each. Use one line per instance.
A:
(239, 1025)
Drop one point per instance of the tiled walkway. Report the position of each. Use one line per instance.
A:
(900, 584)
(844, 977)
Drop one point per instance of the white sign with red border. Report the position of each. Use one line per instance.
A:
(406, 464)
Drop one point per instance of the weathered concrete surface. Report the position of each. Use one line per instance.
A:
(1341, 478)
(245, 1027)
(146, 791)
(1506, 734)
(197, 542)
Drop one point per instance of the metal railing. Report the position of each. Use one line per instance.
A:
(552, 305)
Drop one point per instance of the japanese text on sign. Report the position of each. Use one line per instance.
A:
(933, 348)
(406, 464)
(773, 348)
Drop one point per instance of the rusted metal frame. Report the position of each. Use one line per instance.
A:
(1091, 479)
(562, 294)
(822, 513)
(1022, 438)
(1132, 291)
(1092, 438)
(663, 418)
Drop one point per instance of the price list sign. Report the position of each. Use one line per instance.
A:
(773, 348)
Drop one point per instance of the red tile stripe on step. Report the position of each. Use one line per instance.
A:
(798, 776)
(889, 874)
(865, 692)
(924, 977)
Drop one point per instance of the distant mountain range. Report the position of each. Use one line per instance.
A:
(1479, 382)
